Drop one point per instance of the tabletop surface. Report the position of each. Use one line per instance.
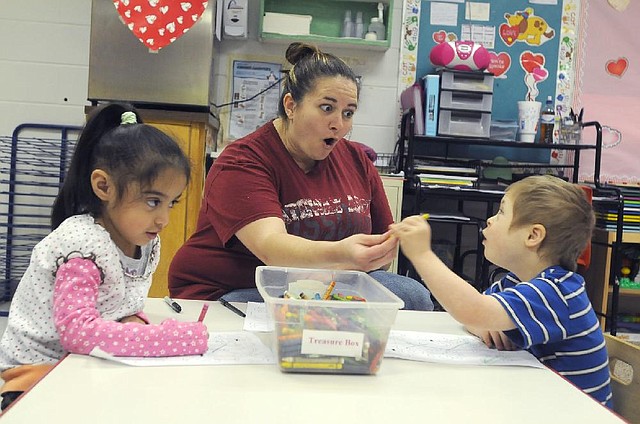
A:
(84, 389)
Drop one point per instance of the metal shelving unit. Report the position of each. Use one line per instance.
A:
(413, 147)
(33, 162)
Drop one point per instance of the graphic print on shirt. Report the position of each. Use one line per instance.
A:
(327, 219)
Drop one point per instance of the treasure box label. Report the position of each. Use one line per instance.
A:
(333, 343)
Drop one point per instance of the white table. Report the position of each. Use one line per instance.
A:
(84, 389)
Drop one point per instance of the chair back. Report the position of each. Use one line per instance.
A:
(624, 366)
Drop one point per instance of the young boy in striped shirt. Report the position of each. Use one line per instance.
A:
(541, 305)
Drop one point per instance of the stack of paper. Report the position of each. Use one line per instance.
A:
(448, 180)
(288, 24)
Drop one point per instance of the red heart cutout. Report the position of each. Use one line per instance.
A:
(509, 34)
(530, 61)
(158, 23)
(617, 67)
(439, 37)
(499, 64)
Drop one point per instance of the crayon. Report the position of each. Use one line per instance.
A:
(329, 290)
(312, 365)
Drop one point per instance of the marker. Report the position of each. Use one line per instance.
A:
(203, 312)
(174, 305)
(231, 307)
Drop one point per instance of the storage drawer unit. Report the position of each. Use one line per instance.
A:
(464, 123)
(466, 100)
(466, 81)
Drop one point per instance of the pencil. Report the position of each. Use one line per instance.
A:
(203, 312)
(327, 293)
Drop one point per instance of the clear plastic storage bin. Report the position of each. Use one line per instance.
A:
(464, 123)
(327, 336)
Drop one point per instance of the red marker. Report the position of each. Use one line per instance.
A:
(203, 312)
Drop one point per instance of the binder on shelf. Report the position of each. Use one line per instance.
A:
(413, 97)
(432, 97)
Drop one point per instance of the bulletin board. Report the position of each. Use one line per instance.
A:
(608, 81)
(523, 37)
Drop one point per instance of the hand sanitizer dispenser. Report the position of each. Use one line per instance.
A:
(234, 18)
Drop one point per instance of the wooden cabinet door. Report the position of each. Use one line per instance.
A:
(191, 138)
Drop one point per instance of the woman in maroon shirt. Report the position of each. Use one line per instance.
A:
(294, 193)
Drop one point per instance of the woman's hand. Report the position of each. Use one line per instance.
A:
(364, 252)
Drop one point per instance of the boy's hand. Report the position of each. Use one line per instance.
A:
(494, 339)
(133, 318)
(415, 236)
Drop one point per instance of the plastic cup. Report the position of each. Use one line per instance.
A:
(528, 118)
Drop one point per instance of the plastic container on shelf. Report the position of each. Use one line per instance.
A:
(547, 122)
(358, 29)
(347, 25)
(378, 28)
(327, 336)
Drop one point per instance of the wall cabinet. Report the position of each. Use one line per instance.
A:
(326, 22)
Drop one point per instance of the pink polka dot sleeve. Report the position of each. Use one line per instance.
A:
(81, 327)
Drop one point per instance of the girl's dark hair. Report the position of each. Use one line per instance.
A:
(128, 152)
(310, 64)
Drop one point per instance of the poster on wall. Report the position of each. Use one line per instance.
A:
(255, 94)
(609, 88)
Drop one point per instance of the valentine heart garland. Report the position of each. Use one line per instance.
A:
(158, 23)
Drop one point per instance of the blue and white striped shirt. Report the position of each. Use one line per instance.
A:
(556, 323)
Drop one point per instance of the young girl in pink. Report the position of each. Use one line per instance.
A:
(87, 281)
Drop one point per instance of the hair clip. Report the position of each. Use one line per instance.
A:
(128, 118)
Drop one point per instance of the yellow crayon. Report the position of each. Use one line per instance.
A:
(311, 365)
(327, 293)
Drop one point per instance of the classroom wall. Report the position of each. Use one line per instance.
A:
(44, 62)
(45, 56)
(377, 118)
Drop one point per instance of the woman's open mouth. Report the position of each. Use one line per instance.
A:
(330, 141)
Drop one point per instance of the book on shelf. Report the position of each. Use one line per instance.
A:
(442, 169)
(432, 98)
(453, 180)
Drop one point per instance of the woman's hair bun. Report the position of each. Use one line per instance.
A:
(298, 51)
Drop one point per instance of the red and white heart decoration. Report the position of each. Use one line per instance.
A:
(158, 23)
(499, 64)
(618, 67)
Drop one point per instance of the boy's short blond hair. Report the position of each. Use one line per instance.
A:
(562, 208)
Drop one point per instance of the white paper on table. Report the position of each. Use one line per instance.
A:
(257, 319)
(452, 349)
(225, 348)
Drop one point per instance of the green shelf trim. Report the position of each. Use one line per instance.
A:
(326, 24)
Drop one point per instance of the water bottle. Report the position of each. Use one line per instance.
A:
(358, 31)
(547, 121)
(347, 25)
(378, 28)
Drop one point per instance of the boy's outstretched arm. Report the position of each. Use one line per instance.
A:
(459, 298)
